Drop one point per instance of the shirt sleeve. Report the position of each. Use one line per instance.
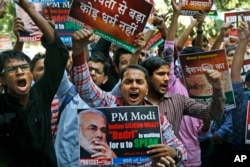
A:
(54, 63)
(216, 106)
(226, 127)
(87, 89)
(168, 55)
(171, 140)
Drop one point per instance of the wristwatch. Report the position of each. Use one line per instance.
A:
(178, 155)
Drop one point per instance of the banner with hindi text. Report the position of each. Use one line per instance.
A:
(193, 66)
(116, 21)
(191, 7)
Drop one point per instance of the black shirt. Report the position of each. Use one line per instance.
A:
(25, 135)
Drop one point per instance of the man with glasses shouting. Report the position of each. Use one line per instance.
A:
(25, 134)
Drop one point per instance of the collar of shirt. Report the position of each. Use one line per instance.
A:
(166, 96)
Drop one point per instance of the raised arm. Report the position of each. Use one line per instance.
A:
(224, 32)
(44, 26)
(243, 34)
(200, 16)
(18, 26)
(197, 20)
(139, 44)
(184, 36)
(84, 84)
(173, 25)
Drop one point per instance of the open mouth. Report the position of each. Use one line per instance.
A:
(133, 96)
(21, 83)
(164, 86)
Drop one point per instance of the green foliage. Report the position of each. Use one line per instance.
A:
(227, 5)
(6, 23)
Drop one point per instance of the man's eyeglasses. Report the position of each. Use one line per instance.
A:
(97, 71)
(13, 69)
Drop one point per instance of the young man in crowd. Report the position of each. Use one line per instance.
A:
(26, 138)
(239, 114)
(99, 69)
(133, 87)
(64, 115)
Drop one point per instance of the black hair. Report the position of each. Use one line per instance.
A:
(35, 59)
(12, 54)
(152, 63)
(137, 67)
(5, 56)
(98, 57)
(118, 53)
(190, 50)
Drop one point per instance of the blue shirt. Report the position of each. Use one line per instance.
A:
(67, 141)
(239, 115)
(223, 127)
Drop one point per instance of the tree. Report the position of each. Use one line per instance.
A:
(227, 5)
(6, 23)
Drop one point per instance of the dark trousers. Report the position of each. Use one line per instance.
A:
(206, 152)
(221, 155)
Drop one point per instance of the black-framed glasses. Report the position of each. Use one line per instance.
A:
(13, 69)
(97, 71)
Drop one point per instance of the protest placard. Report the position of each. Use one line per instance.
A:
(128, 131)
(193, 66)
(234, 17)
(31, 32)
(191, 7)
(59, 13)
(154, 41)
(116, 21)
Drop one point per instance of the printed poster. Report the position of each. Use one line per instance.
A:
(193, 66)
(247, 140)
(154, 41)
(122, 132)
(59, 13)
(235, 18)
(116, 21)
(191, 7)
(31, 32)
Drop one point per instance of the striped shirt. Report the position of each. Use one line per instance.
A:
(174, 106)
(54, 116)
(95, 97)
